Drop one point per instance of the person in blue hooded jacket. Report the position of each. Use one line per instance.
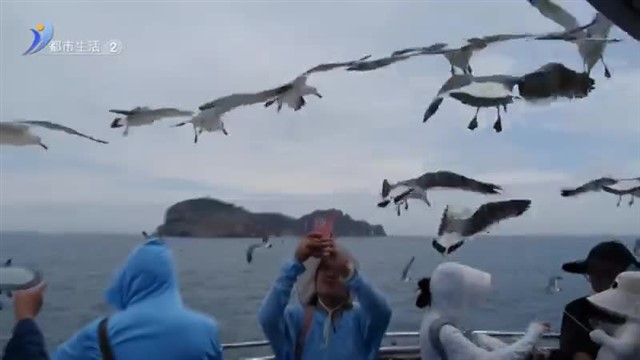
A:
(152, 322)
(327, 324)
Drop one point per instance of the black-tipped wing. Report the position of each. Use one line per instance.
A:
(444, 221)
(250, 250)
(407, 267)
(448, 179)
(122, 112)
(492, 213)
(229, 102)
(335, 65)
(57, 127)
(593, 185)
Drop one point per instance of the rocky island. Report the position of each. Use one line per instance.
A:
(211, 218)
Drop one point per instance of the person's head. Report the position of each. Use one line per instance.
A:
(453, 289)
(148, 273)
(329, 288)
(604, 262)
(321, 280)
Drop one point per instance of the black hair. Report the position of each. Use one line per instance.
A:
(424, 296)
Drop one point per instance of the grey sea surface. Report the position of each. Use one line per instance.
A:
(215, 278)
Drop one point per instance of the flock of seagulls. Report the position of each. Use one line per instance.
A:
(546, 83)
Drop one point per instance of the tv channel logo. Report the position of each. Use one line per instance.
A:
(42, 35)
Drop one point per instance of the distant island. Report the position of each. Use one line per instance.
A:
(211, 218)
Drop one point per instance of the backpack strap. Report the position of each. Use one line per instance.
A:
(302, 336)
(103, 340)
(434, 337)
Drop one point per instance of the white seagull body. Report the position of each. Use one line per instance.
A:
(141, 116)
(293, 92)
(18, 133)
(209, 118)
(591, 42)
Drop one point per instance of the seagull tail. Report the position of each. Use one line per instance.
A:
(117, 122)
(432, 109)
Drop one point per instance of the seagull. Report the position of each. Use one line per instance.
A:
(140, 116)
(439, 179)
(634, 192)
(593, 185)
(294, 92)
(8, 293)
(591, 41)
(479, 92)
(405, 272)
(251, 248)
(210, 116)
(362, 66)
(455, 227)
(403, 199)
(547, 82)
(18, 133)
(459, 57)
(552, 286)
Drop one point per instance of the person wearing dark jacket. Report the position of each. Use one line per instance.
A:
(604, 262)
(27, 341)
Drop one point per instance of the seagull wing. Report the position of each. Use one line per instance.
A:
(494, 212)
(334, 65)
(407, 267)
(122, 112)
(454, 82)
(423, 50)
(229, 102)
(250, 250)
(53, 126)
(13, 128)
(448, 179)
(555, 13)
(169, 112)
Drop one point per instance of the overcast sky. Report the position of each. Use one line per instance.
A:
(334, 152)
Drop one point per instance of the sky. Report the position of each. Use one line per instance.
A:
(335, 152)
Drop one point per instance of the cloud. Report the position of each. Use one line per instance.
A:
(334, 152)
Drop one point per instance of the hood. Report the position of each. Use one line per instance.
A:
(148, 273)
(455, 288)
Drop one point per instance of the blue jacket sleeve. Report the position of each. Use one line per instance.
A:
(271, 315)
(216, 353)
(83, 345)
(374, 310)
(26, 342)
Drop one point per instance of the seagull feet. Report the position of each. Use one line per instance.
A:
(44, 146)
(473, 124)
(607, 73)
(224, 131)
(497, 126)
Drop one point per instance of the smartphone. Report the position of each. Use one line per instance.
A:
(323, 226)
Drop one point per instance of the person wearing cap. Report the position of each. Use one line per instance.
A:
(622, 299)
(601, 267)
(327, 324)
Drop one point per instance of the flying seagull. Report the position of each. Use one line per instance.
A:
(405, 272)
(634, 192)
(251, 248)
(404, 197)
(293, 92)
(593, 185)
(553, 284)
(440, 179)
(550, 81)
(591, 41)
(362, 66)
(210, 116)
(141, 116)
(455, 227)
(18, 133)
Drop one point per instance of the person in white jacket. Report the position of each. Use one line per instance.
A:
(450, 293)
(622, 299)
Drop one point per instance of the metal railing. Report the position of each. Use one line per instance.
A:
(386, 351)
